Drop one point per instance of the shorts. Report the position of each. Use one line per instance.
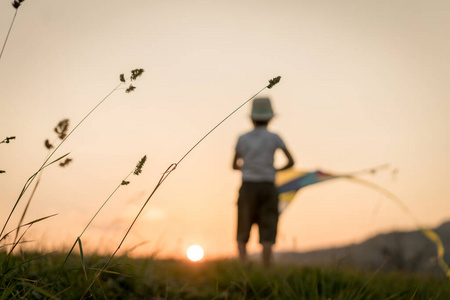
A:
(258, 204)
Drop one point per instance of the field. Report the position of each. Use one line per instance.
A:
(32, 276)
(355, 77)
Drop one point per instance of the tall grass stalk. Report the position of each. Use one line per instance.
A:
(133, 76)
(168, 171)
(272, 82)
(136, 171)
(15, 4)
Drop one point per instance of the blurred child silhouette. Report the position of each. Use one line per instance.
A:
(258, 195)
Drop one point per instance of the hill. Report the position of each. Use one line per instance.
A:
(408, 251)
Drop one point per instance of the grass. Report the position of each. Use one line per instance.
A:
(151, 278)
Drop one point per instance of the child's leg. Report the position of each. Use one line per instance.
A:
(267, 254)
(242, 247)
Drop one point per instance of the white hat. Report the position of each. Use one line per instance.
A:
(261, 110)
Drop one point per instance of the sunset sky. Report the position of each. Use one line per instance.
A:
(364, 83)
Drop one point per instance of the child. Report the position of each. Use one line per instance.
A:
(258, 195)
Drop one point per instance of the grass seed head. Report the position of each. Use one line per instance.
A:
(122, 78)
(273, 81)
(16, 3)
(61, 128)
(136, 73)
(66, 162)
(7, 139)
(130, 89)
(125, 182)
(139, 165)
(48, 145)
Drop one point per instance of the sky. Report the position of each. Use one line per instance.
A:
(363, 83)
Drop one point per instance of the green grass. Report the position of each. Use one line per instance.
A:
(32, 274)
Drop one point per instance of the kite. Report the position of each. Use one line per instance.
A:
(289, 182)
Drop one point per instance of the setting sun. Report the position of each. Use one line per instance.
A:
(194, 253)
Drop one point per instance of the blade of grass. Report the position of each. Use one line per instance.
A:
(29, 223)
(111, 272)
(102, 289)
(82, 257)
(62, 292)
(129, 250)
(415, 292)
(40, 290)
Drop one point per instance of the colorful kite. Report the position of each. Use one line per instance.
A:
(289, 182)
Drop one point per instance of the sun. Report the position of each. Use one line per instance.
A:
(194, 253)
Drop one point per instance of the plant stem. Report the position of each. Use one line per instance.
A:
(9, 31)
(219, 124)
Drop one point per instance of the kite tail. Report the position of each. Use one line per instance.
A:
(430, 234)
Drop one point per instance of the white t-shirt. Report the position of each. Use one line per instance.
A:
(257, 149)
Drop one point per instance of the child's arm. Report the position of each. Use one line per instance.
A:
(290, 159)
(236, 158)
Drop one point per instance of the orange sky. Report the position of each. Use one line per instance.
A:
(363, 84)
